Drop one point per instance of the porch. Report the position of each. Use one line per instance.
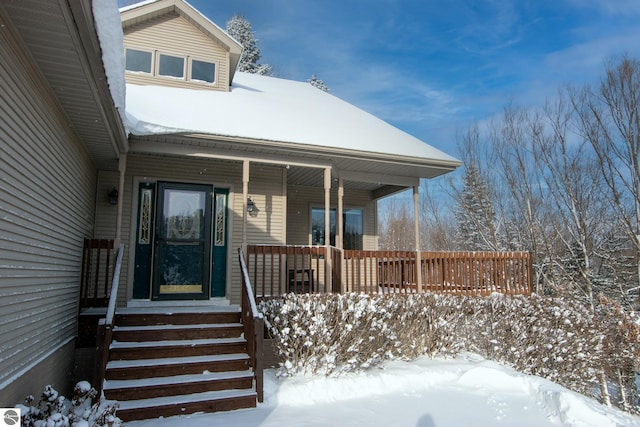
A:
(279, 269)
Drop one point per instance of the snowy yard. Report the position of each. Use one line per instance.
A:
(467, 391)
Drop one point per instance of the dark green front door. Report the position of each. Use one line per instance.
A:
(182, 252)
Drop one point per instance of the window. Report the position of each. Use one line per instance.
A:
(203, 71)
(138, 60)
(352, 224)
(171, 66)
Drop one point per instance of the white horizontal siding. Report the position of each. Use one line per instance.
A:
(47, 189)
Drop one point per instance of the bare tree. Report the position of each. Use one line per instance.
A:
(610, 121)
(396, 226)
(574, 193)
(437, 227)
(511, 141)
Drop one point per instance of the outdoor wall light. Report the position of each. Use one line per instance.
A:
(252, 209)
(113, 196)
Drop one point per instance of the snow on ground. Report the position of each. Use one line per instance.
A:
(468, 391)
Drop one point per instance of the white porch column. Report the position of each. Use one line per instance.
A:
(327, 226)
(340, 230)
(416, 225)
(339, 220)
(327, 206)
(245, 197)
(122, 167)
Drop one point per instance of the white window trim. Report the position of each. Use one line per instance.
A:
(187, 66)
(184, 58)
(215, 71)
(152, 65)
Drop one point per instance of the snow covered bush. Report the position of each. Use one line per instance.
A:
(558, 339)
(54, 410)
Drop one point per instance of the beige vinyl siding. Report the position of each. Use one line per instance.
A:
(302, 199)
(47, 189)
(106, 214)
(173, 35)
(265, 187)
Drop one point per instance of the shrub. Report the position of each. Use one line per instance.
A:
(54, 410)
(558, 339)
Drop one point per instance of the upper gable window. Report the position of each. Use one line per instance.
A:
(203, 71)
(171, 66)
(138, 60)
(158, 64)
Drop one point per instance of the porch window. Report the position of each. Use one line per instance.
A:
(171, 66)
(203, 71)
(138, 61)
(352, 223)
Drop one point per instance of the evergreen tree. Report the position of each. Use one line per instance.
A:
(315, 81)
(475, 215)
(240, 29)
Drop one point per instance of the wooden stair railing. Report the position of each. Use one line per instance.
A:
(96, 272)
(105, 327)
(253, 324)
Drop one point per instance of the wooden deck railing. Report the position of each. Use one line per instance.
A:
(277, 270)
(253, 324)
(97, 272)
(465, 273)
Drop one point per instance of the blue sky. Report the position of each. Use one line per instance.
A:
(433, 68)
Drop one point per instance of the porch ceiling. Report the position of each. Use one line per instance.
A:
(382, 175)
(61, 38)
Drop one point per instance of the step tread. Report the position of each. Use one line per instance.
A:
(168, 361)
(117, 345)
(124, 405)
(176, 379)
(172, 327)
(169, 310)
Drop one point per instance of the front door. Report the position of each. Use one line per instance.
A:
(182, 253)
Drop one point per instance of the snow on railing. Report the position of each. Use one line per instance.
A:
(111, 309)
(253, 327)
(105, 327)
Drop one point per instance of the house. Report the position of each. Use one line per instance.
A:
(202, 160)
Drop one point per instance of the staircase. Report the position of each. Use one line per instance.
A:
(170, 361)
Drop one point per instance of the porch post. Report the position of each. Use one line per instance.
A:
(339, 224)
(340, 230)
(122, 166)
(416, 225)
(245, 197)
(327, 227)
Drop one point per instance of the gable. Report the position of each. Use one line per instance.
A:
(171, 34)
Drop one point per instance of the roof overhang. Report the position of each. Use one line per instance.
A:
(377, 173)
(61, 39)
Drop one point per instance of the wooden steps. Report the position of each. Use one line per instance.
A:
(165, 364)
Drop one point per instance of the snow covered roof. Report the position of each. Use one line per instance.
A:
(272, 109)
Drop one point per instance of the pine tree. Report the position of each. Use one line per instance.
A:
(475, 215)
(240, 29)
(315, 81)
